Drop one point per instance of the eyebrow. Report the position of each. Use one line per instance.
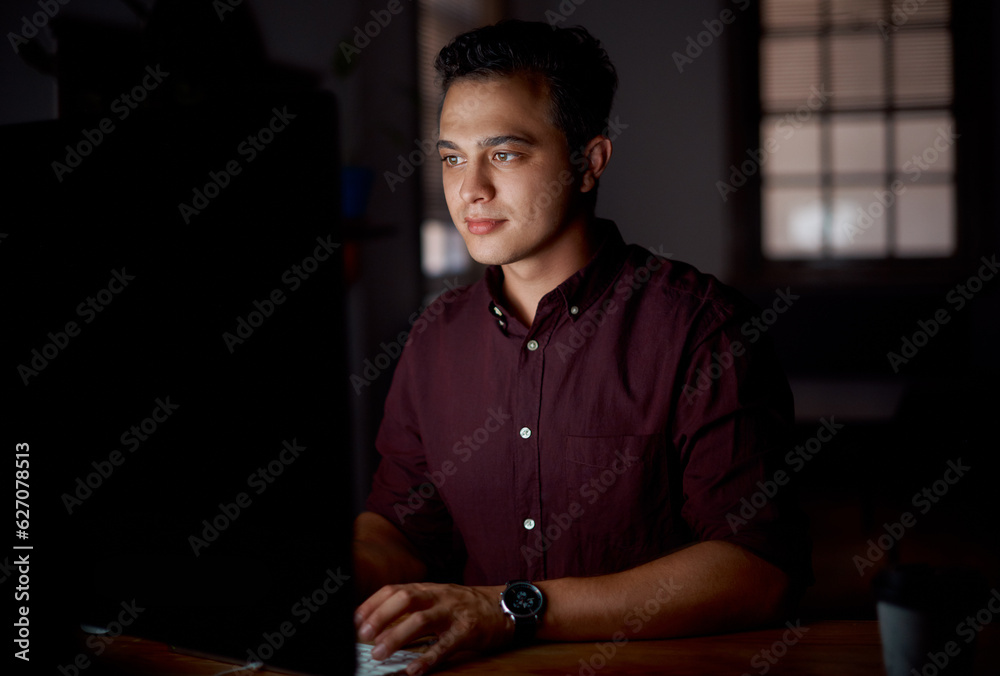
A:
(491, 141)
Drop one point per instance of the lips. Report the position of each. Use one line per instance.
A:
(483, 226)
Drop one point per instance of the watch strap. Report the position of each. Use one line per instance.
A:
(524, 627)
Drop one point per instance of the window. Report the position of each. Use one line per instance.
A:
(857, 131)
(937, 61)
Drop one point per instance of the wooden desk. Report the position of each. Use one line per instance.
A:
(831, 648)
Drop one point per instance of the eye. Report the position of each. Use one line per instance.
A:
(504, 156)
(451, 160)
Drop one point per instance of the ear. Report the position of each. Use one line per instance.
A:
(598, 154)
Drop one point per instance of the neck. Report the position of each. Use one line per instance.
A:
(528, 280)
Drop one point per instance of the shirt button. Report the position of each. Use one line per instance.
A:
(574, 310)
(497, 312)
(532, 345)
(525, 433)
(529, 524)
(501, 322)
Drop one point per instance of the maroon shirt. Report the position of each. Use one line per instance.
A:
(599, 438)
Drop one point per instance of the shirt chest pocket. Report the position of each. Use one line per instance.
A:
(622, 484)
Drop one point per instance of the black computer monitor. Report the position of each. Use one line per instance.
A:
(175, 344)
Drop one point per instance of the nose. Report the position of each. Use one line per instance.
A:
(476, 184)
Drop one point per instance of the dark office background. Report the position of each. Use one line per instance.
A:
(680, 132)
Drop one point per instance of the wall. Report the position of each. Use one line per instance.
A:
(660, 187)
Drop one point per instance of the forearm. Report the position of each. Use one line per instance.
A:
(383, 555)
(710, 587)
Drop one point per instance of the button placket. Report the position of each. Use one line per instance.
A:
(531, 365)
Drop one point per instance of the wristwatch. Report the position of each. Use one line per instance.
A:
(523, 603)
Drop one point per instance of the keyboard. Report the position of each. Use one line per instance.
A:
(394, 664)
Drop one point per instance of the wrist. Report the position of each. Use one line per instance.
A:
(523, 604)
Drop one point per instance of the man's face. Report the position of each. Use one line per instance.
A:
(507, 175)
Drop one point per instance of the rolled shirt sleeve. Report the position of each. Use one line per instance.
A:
(732, 430)
(403, 488)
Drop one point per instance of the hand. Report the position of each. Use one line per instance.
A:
(463, 618)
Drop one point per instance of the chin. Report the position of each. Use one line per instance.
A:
(485, 254)
(490, 258)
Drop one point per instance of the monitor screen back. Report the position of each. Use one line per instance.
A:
(176, 352)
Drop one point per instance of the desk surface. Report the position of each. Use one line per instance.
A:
(829, 648)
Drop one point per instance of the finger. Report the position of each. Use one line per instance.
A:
(454, 636)
(419, 666)
(416, 625)
(373, 602)
(431, 657)
(404, 599)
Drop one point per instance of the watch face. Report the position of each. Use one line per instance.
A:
(523, 599)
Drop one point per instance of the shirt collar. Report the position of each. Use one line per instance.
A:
(580, 290)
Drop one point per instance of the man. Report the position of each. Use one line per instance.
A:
(585, 420)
